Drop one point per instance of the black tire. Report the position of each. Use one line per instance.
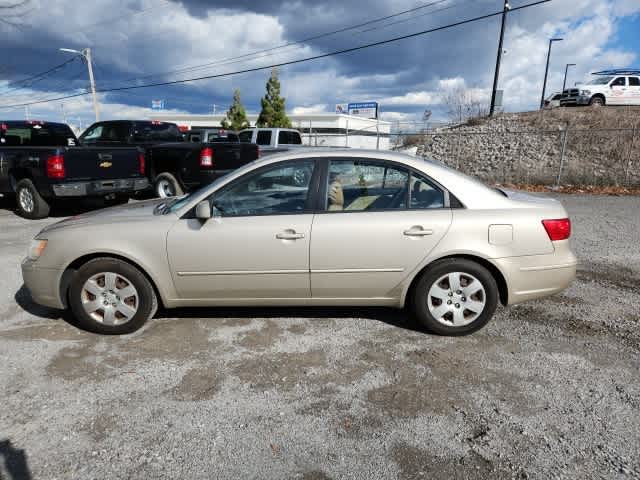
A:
(29, 202)
(419, 298)
(597, 102)
(166, 185)
(147, 302)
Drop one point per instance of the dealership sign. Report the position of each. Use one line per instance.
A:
(364, 109)
(157, 104)
(361, 109)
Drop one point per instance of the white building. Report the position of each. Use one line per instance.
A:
(318, 129)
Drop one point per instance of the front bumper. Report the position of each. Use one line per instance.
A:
(538, 276)
(43, 284)
(99, 187)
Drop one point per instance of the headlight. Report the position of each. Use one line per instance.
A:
(585, 92)
(36, 248)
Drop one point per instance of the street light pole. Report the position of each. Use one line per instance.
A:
(546, 70)
(86, 54)
(496, 74)
(564, 83)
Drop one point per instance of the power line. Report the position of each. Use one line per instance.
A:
(292, 62)
(38, 75)
(224, 61)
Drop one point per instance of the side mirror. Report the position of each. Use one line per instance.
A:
(203, 210)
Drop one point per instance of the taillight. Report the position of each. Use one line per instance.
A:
(55, 166)
(141, 163)
(206, 158)
(559, 229)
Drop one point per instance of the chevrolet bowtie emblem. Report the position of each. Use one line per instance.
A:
(105, 164)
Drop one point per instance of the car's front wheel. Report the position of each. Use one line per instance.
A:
(596, 102)
(111, 296)
(455, 297)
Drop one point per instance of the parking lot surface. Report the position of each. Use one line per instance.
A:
(547, 389)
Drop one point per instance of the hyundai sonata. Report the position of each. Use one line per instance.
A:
(310, 227)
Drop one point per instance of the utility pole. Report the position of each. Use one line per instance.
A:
(86, 54)
(546, 70)
(496, 75)
(564, 84)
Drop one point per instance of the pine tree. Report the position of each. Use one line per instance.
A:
(236, 118)
(273, 113)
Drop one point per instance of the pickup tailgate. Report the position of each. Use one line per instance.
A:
(88, 163)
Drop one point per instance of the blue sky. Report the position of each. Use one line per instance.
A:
(133, 39)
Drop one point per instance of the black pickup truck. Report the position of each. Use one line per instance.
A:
(40, 162)
(174, 166)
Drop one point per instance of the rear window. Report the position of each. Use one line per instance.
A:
(156, 132)
(222, 136)
(289, 138)
(36, 135)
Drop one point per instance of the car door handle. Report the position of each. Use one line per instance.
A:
(418, 231)
(289, 235)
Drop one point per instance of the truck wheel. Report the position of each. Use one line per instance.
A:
(597, 102)
(166, 185)
(111, 296)
(29, 201)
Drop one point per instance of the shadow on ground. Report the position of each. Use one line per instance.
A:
(391, 316)
(15, 462)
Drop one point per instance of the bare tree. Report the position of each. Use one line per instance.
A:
(464, 104)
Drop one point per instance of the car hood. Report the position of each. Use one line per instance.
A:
(138, 211)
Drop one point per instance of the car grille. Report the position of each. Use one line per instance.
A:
(571, 92)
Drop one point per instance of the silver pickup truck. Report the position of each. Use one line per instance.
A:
(272, 140)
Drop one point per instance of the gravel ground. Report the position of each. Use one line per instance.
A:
(548, 389)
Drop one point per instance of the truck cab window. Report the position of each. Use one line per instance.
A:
(264, 137)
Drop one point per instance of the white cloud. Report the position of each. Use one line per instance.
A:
(318, 108)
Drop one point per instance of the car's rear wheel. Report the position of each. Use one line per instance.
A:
(111, 296)
(166, 185)
(455, 297)
(29, 202)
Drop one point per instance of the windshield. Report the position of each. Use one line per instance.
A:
(599, 81)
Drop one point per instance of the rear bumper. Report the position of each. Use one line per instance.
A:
(43, 284)
(99, 187)
(538, 276)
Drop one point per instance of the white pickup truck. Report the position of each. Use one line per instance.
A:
(609, 87)
(270, 139)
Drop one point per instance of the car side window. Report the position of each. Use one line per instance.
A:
(278, 190)
(359, 185)
(92, 135)
(264, 137)
(619, 82)
(634, 82)
(424, 194)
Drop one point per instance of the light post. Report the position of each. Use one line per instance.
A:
(496, 74)
(86, 54)
(546, 70)
(564, 83)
